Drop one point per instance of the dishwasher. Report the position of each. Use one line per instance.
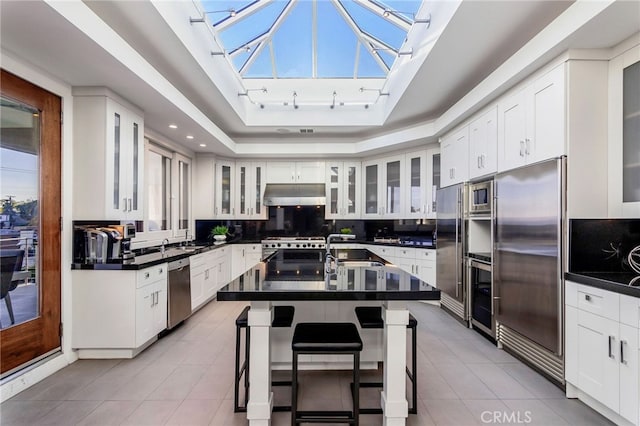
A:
(179, 292)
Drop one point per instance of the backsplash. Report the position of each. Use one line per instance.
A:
(602, 245)
(309, 221)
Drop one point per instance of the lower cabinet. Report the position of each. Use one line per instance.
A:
(209, 272)
(118, 313)
(601, 348)
(243, 257)
(418, 262)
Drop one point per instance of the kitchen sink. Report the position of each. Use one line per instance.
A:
(360, 263)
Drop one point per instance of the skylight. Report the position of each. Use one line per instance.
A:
(311, 39)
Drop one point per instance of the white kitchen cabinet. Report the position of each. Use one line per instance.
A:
(383, 183)
(204, 200)
(454, 157)
(623, 124)
(116, 313)
(532, 122)
(250, 183)
(343, 190)
(417, 202)
(426, 265)
(296, 172)
(243, 257)
(483, 144)
(222, 268)
(601, 345)
(224, 190)
(433, 181)
(108, 157)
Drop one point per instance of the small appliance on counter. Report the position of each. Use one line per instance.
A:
(102, 244)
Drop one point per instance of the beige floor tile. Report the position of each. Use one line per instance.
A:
(110, 413)
(195, 412)
(18, 412)
(152, 413)
(450, 413)
(68, 413)
(179, 383)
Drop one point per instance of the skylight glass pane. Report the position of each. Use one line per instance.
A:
(250, 27)
(388, 56)
(336, 44)
(239, 59)
(375, 25)
(261, 67)
(218, 10)
(292, 43)
(367, 66)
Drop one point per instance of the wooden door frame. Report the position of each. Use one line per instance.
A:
(25, 342)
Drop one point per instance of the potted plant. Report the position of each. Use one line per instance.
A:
(219, 232)
(345, 231)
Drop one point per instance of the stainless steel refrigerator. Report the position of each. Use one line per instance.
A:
(528, 246)
(450, 231)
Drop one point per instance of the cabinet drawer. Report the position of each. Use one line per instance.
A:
(630, 311)
(428, 254)
(198, 260)
(599, 302)
(405, 253)
(152, 274)
(385, 252)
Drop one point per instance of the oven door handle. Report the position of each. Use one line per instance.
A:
(480, 265)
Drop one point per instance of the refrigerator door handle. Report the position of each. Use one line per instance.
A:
(496, 300)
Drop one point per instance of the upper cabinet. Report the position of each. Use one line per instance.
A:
(417, 203)
(383, 183)
(224, 190)
(296, 172)
(250, 184)
(343, 190)
(624, 134)
(454, 148)
(483, 144)
(108, 157)
(532, 122)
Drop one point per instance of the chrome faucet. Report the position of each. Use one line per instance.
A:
(165, 241)
(328, 256)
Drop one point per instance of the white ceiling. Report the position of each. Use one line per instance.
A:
(480, 36)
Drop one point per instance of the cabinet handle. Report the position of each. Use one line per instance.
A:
(521, 148)
(611, 340)
(528, 146)
(152, 300)
(146, 275)
(130, 204)
(124, 204)
(478, 161)
(160, 270)
(622, 360)
(216, 210)
(482, 158)
(587, 297)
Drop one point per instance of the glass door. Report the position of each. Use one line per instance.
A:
(371, 190)
(30, 166)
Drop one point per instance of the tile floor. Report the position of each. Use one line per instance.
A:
(186, 378)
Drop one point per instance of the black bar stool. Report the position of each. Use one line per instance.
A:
(371, 317)
(282, 317)
(332, 338)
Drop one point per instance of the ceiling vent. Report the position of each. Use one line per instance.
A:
(306, 130)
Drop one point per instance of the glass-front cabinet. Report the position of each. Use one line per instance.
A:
(624, 134)
(108, 157)
(224, 195)
(433, 181)
(383, 184)
(250, 184)
(416, 203)
(343, 190)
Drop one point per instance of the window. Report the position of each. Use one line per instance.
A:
(184, 195)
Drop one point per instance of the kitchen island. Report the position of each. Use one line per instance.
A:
(299, 278)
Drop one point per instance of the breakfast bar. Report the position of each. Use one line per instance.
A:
(327, 295)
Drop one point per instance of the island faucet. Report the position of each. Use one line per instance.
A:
(165, 241)
(328, 256)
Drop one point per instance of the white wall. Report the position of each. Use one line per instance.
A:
(12, 385)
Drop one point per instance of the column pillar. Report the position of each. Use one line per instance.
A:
(393, 397)
(260, 395)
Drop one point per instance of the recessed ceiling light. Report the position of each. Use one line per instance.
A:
(173, 126)
(203, 145)
(189, 137)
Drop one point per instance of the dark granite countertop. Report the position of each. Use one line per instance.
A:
(291, 275)
(619, 282)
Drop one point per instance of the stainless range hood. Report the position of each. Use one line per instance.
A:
(295, 194)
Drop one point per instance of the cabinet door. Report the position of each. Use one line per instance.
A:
(309, 172)
(258, 174)
(598, 363)
(393, 179)
(351, 191)
(333, 186)
(134, 168)
(160, 307)
(433, 181)
(243, 191)
(629, 378)
(281, 172)
(416, 203)
(224, 190)
(371, 190)
(454, 158)
(511, 132)
(203, 187)
(145, 301)
(238, 252)
(483, 140)
(546, 124)
(197, 289)
(116, 153)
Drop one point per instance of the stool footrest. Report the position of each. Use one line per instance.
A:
(324, 416)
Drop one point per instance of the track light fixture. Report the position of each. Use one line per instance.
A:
(388, 12)
(333, 104)
(232, 12)
(295, 95)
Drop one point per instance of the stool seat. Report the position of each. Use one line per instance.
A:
(282, 317)
(371, 317)
(326, 337)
